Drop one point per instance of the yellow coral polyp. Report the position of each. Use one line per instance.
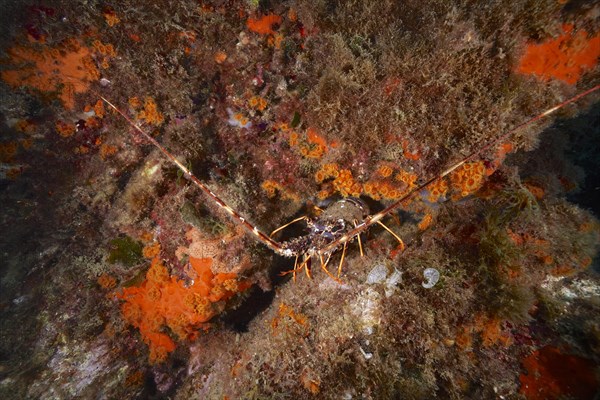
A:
(151, 250)
(157, 272)
(384, 171)
(257, 102)
(107, 150)
(231, 285)
(293, 139)
(320, 176)
(468, 178)
(323, 194)
(104, 49)
(135, 102)
(316, 152)
(150, 112)
(343, 181)
(65, 129)
(106, 281)
(407, 177)
(425, 222)
(437, 190)
(111, 18)
(272, 188)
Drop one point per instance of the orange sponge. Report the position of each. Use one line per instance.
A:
(67, 69)
(162, 302)
(566, 57)
(264, 25)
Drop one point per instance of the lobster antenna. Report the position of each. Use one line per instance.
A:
(272, 244)
(375, 218)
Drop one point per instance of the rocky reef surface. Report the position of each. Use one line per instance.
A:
(121, 278)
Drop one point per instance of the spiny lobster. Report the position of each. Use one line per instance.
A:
(342, 221)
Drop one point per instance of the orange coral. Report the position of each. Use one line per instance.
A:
(272, 188)
(220, 57)
(135, 102)
(275, 41)
(239, 119)
(146, 236)
(104, 49)
(343, 181)
(315, 145)
(290, 321)
(257, 102)
(327, 171)
(536, 190)
(64, 129)
(310, 381)
(378, 190)
(150, 112)
(437, 190)
(111, 18)
(292, 15)
(67, 69)
(164, 301)
(384, 171)
(99, 109)
(468, 178)
(425, 222)
(24, 126)
(8, 151)
(318, 145)
(263, 25)
(565, 58)
(151, 250)
(293, 141)
(408, 178)
(464, 338)
(491, 332)
(107, 150)
(106, 281)
(346, 185)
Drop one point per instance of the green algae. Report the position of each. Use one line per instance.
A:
(125, 250)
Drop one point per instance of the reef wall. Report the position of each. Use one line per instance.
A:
(120, 278)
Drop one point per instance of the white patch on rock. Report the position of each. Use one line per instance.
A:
(367, 309)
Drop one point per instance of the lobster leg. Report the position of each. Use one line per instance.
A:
(288, 224)
(359, 241)
(339, 271)
(324, 268)
(393, 234)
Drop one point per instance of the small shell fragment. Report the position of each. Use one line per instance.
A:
(377, 274)
(391, 282)
(432, 276)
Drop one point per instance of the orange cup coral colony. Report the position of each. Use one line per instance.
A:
(468, 178)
